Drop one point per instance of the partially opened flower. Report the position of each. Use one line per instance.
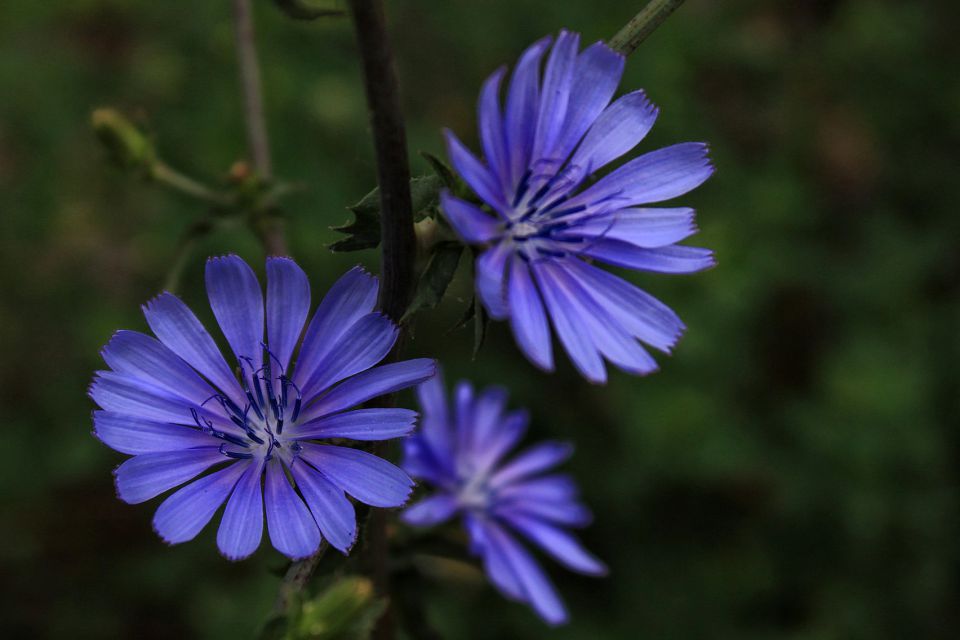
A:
(175, 404)
(459, 451)
(548, 221)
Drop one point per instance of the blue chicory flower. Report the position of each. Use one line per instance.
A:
(549, 222)
(459, 450)
(177, 406)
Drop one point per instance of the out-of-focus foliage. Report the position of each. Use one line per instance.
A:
(348, 609)
(793, 470)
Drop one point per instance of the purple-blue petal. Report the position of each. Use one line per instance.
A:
(523, 105)
(596, 74)
(148, 475)
(642, 227)
(350, 298)
(374, 382)
(491, 269)
(180, 331)
(554, 99)
(470, 221)
(237, 303)
(362, 346)
(361, 424)
(292, 529)
(490, 122)
(495, 564)
(475, 173)
(504, 437)
(617, 130)
(565, 513)
(576, 340)
(134, 397)
(640, 313)
(536, 587)
(487, 415)
(430, 511)
(331, 509)
(678, 259)
(129, 434)
(528, 318)
(612, 340)
(242, 526)
(368, 478)
(186, 512)
(564, 548)
(653, 177)
(288, 302)
(141, 356)
(534, 460)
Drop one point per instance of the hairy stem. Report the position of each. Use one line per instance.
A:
(296, 579)
(397, 237)
(642, 25)
(398, 241)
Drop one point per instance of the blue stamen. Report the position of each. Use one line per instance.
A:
(235, 454)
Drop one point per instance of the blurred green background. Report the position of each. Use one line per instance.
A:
(792, 472)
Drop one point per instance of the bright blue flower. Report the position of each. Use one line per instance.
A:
(181, 410)
(549, 221)
(459, 450)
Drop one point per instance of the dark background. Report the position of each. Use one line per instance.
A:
(792, 472)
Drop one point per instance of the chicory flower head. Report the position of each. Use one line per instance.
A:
(459, 451)
(175, 404)
(549, 221)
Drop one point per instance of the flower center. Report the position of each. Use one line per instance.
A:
(475, 494)
(273, 403)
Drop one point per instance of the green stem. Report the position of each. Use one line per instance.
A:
(296, 579)
(250, 85)
(165, 175)
(642, 25)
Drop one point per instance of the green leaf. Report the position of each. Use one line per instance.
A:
(478, 315)
(364, 231)
(480, 321)
(444, 172)
(436, 277)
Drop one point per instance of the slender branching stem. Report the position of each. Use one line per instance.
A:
(163, 174)
(642, 25)
(251, 89)
(265, 222)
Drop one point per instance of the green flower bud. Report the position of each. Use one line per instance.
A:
(124, 142)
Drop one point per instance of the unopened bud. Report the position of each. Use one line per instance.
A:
(125, 143)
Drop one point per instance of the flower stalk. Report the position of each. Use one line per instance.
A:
(642, 25)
